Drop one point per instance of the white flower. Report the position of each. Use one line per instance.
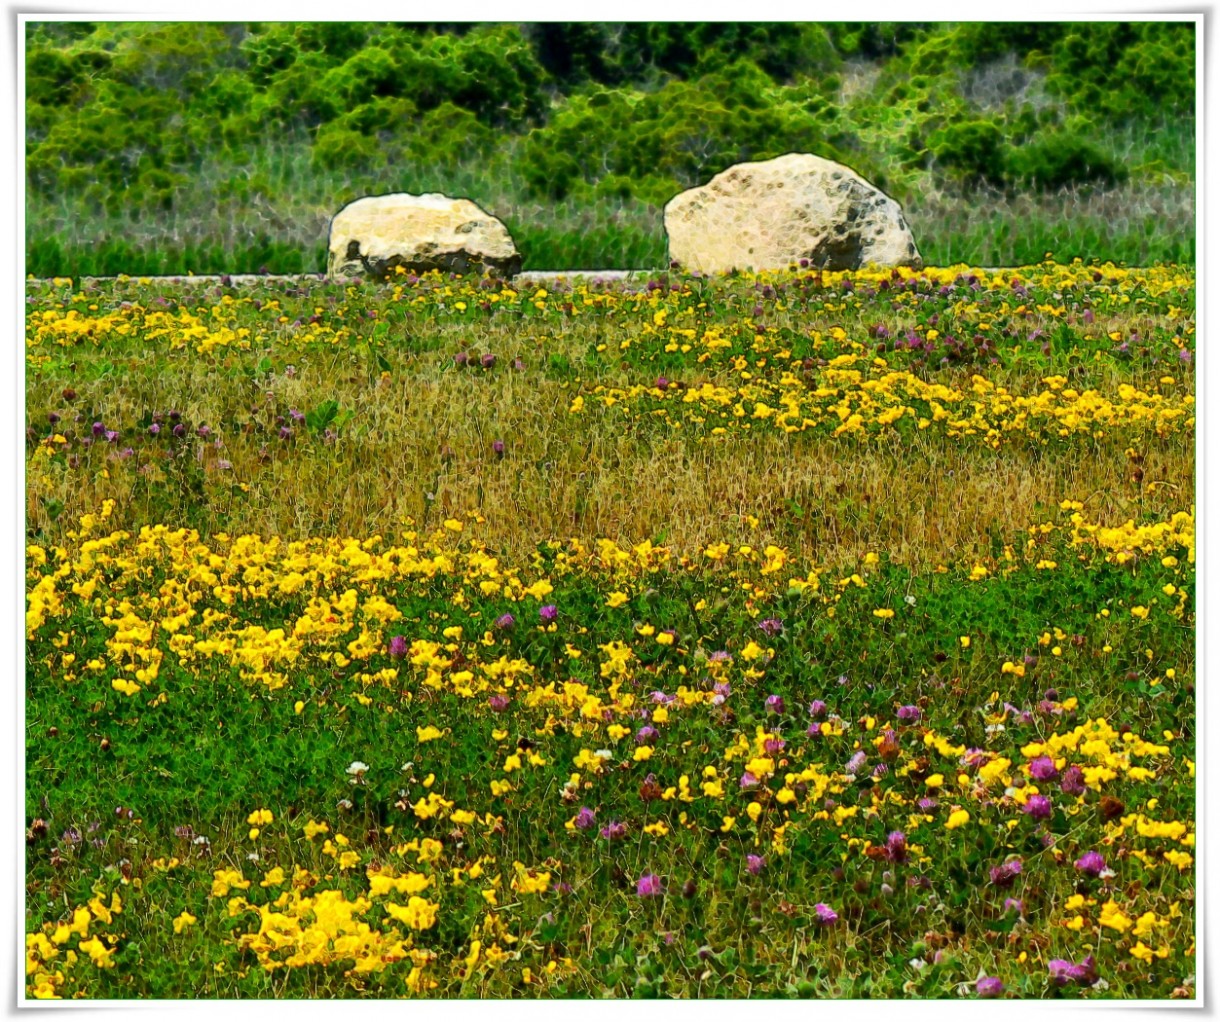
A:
(358, 768)
(604, 754)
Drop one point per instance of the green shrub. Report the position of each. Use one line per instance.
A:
(1061, 159)
(974, 150)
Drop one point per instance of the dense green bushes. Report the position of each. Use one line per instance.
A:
(126, 116)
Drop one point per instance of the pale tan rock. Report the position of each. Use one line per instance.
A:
(768, 215)
(372, 236)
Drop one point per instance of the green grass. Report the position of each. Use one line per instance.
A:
(288, 548)
(275, 213)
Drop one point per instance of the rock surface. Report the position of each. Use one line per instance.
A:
(372, 236)
(768, 215)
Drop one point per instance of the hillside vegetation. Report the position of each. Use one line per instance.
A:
(166, 148)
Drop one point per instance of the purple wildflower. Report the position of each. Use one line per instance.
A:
(909, 714)
(754, 864)
(771, 626)
(775, 704)
(585, 818)
(398, 646)
(856, 763)
(817, 708)
(505, 621)
(646, 734)
(773, 746)
(1072, 782)
(488, 360)
(1014, 903)
(1004, 875)
(825, 914)
(98, 429)
(1043, 769)
(549, 613)
(1063, 972)
(649, 886)
(1091, 864)
(498, 447)
(896, 846)
(461, 358)
(614, 830)
(748, 780)
(1038, 806)
(927, 804)
(498, 702)
(988, 986)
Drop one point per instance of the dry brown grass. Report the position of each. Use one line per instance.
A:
(420, 448)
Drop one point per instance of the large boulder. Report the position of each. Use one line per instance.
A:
(372, 236)
(768, 215)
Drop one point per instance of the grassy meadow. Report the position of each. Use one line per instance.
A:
(821, 635)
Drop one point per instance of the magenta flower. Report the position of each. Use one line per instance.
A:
(825, 914)
(773, 746)
(1043, 769)
(1004, 875)
(549, 613)
(817, 708)
(988, 986)
(1072, 782)
(771, 626)
(614, 830)
(1091, 864)
(775, 704)
(646, 734)
(754, 864)
(505, 621)
(896, 846)
(1063, 972)
(398, 646)
(856, 763)
(498, 702)
(1038, 806)
(748, 780)
(649, 886)
(585, 818)
(498, 447)
(488, 360)
(909, 714)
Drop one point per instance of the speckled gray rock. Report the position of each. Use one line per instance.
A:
(373, 236)
(768, 215)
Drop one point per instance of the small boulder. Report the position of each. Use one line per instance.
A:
(768, 215)
(372, 236)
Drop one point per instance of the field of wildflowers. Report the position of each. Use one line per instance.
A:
(786, 635)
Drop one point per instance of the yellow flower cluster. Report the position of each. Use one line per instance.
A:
(49, 958)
